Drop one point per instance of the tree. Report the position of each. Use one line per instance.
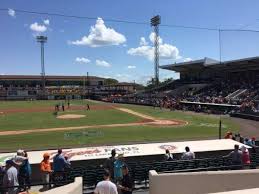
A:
(110, 81)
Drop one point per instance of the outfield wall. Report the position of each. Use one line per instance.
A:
(202, 182)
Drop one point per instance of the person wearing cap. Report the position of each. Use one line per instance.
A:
(10, 178)
(119, 162)
(245, 155)
(109, 163)
(19, 158)
(45, 169)
(126, 182)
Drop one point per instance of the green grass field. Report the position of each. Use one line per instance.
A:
(199, 127)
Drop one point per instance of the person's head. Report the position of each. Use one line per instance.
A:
(113, 153)
(106, 175)
(253, 138)
(25, 154)
(59, 151)
(167, 151)
(46, 156)
(187, 149)
(20, 153)
(120, 156)
(243, 148)
(246, 139)
(9, 163)
(125, 170)
(236, 147)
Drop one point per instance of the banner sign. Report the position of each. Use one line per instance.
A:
(101, 152)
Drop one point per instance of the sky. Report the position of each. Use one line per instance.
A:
(121, 50)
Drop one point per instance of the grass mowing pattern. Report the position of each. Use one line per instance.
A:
(200, 127)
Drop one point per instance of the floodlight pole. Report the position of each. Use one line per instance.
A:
(88, 83)
(42, 40)
(155, 21)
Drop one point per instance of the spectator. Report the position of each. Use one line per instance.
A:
(109, 163)
(245, 156)
(236, 156)
(188, 155)
(59, 162)
(24, 175)
(19, 158)
(68, 167)
(168, 155)
(246, 141)
(106, 186)
(251, 142)
(10, 177)
(45, 169)
(119, 162)
(126, 182)
(229, 135)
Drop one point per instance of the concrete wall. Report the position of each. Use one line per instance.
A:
(73, 188)
(246, 191)
(202, 182)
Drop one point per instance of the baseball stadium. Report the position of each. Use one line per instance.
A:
(83, 132)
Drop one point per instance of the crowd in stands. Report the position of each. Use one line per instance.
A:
(116, 173)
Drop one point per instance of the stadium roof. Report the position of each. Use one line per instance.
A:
(245, 63)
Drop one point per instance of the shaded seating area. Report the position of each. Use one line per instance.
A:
(140, 170)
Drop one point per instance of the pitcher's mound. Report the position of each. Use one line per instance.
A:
(70, 116)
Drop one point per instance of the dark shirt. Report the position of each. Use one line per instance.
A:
(126, 182)
(109, 165)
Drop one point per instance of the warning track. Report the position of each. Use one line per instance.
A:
(148, 121)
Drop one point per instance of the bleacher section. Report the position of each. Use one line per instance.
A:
(140, 170)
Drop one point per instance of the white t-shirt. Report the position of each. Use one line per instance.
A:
(106, 187)
(188, 156)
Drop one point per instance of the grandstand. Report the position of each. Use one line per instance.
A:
(22, 87)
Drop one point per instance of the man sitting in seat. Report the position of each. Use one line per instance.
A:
(106, 186)
(188, 155)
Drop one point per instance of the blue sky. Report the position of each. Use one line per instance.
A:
(119, 50)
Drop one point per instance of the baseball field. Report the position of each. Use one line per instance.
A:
(34, 125)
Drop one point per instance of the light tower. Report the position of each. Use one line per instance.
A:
(155, 21)
(42, 40)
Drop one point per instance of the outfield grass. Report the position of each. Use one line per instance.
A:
(39, 103)
(199, 126)
(36, 120)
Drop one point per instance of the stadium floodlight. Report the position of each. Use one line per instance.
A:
(42, 40)
(155, 21)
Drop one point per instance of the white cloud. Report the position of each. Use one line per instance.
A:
(100, 35)
(187, 59)
(82, 60)
(131, 67)
(166, 51)
(11, 12)
(46, 22)
(102, 63)
(152, 38)
(143, 42)
(37, 27)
